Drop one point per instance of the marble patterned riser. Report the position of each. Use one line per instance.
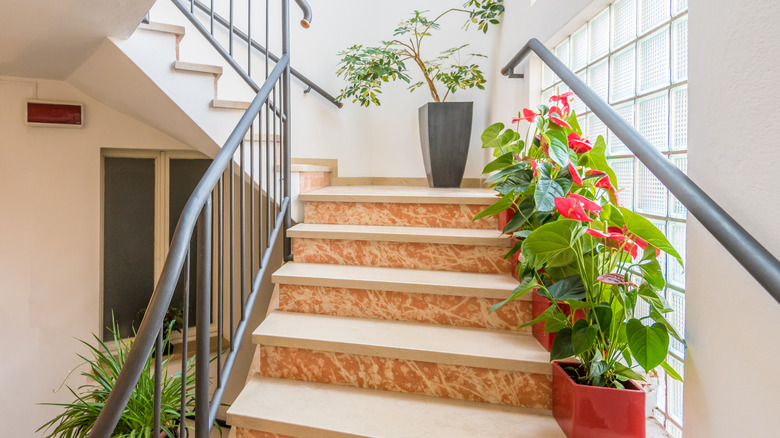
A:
(513, 388)
(395, 214)
(401, 306)
(410, 255)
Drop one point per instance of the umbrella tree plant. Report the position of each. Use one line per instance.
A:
(579, 247)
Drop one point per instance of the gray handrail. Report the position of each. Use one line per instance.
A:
(161, 298)
(756, 259)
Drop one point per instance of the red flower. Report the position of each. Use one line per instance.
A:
(603, 182)
(633, 241)
(578, 144)
(575, 176)
(533, 166)
(543, 144)
(586, 203)
(607, 235)
(564, 99)
(558, 120)
(527, 115)
(571, 209)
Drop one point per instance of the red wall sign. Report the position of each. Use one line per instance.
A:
(55, 114)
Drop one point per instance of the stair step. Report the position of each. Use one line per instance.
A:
(230, 104)
(163, 27)
(198, 68)
(467, 284)
(469, 347)
(455, 236)
(389, 194)
(302, 410)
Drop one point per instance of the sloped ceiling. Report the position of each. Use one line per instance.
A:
(50, 38)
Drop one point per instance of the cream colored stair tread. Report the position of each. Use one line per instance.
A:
(304, 410)
(230, 104)
(163, 27)
(465, 284)
(389, 194)
(457, 236)
(197, 68)
(473, 347)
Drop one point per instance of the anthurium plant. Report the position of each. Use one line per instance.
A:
(366, 68)
(578, 246)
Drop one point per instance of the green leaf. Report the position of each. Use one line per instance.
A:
(500, 163)
(596, 159)
(548, 314)
(561, 347)
(490, 137)
(644, 229)
(547, 189)
(651, 272)
(499, 206)
(555, 324)
(626, 372)
(575, 125)
(570, 288)
(559, 149)
(671, 371)
(526, 286)
(658, 317)
(507, 171)
(583, 336)
(597, 368)
(516, 182)
(649, 345)
(552, 239)
(603, 314)
(520, 217)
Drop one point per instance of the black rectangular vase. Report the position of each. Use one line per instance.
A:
(445, 131)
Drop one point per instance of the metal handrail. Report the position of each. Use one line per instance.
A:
(756, 259)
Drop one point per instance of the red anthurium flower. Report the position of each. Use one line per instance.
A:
(578, 144)
(533, 166)
(543, 144)
(603, 182)
(516, 120)
(607, 235)
(586, 203)
(643, 244)
(571, 209)
(564, 99)
(575, 176)
(556, 117)
(528, 115)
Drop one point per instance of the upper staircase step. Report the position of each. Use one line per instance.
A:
(471, 347)
(230, 104)
(198, 68)
(388, 194)
(466, 284)
(302, 409)
(163, 27)
(455, 236)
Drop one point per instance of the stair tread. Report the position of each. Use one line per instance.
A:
(401, 194)
(464, 346)
(304, 409)
(230, 104)
(461, 236)
(162, 27)
(469, 284)
(197, 67)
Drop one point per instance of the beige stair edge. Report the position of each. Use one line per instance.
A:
(400, 194)
(304, 410)
(198, 68)
(465, 284)
(456, 236)
(163, 27)
(309, 168)
(464, 346)
(230, 104)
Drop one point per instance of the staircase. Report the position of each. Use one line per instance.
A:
(383, 326)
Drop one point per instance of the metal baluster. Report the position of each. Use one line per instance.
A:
(185, 333)
(273, 167)
(232, 251)
(158, 360)
(242, 230)
(192, 6)
(220, 274)
(202, 316)
(286, 146)
(249, 37)
(260, 185)
(251, 203)
(266, 50)
(212, 17)
(230, 41)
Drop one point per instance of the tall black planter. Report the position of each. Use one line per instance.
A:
(445, 131)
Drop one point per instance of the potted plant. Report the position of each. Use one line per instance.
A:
(137, 419)
(445, 127)
(594, 256)
(174, 319)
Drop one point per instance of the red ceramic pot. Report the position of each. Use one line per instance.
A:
(593, 412)
(538, 305)
(504, 217)
(515, 259)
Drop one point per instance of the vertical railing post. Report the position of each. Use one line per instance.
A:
(203, 321)
(285, 120)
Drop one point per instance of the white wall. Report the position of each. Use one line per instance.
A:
(50, 244)
(732, 382)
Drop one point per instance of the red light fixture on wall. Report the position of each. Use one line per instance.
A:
(54, 114)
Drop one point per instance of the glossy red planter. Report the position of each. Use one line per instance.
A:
(515, 259)
(504, 217)
(538, 305)
(593, 412)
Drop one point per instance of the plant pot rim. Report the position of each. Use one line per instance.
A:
(634, 386)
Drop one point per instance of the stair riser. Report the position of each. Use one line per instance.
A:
(512, 388)
(394, 214)
(401, 306)
(249, 433)
(410, 255)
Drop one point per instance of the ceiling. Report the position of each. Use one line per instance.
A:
(51, 38)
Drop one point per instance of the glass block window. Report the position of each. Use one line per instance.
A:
(634, 55)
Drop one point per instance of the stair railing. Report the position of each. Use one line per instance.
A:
(256, 157)
(756, 259)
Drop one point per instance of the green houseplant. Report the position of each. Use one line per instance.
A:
(102, 371)
(581, 250)
(445, 127)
